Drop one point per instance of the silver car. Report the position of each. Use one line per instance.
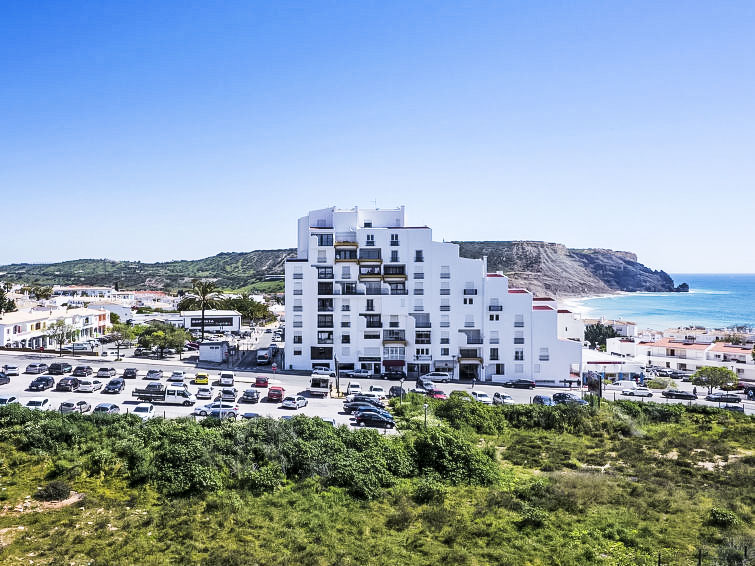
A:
(74, 407)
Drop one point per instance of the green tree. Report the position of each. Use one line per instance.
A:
(203, 295)
(38, 292)
(123, 334)
(251, 310)
(598, 334)
(60, 333)
(114, 318)
(6, 303)
(713, 377)
(162, 336)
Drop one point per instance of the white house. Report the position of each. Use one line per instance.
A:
(367, 291)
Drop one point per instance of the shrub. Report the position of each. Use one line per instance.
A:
(265, 479)
(722, 518)
(54, 491)
(429, 490)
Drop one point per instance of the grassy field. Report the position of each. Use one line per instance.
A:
(517, 485)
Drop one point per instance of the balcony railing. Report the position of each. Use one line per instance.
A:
(424, 325)
(394, 335)
(325, 341)
(495, 308)
(374, 324)
(399, 292)
(375, 292)
(470, 291)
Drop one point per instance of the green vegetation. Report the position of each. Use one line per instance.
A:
(481, 485)
(6, 303)
(597, 334)
(162, 336)
(61, 333)
(714, 377)
(203, 296)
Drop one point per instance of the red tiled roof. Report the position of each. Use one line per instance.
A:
(542, 308)
(518, 291)
(668, 343)
(564, 311)
(495, 275)
(730, 349)
(542, 299)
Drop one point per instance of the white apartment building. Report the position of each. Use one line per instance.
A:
(27, 329)
(368, 291)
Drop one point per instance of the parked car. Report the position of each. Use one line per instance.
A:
(378, 390)
(393, 374)
(223, 414)
(363, 398)
(59, 368)
(637, 392)
(144, 411)
(723, 398)
(154, 374)
(205, 410)
(250, 396)
(396, 391)
(142, 352)
(227, 394)
(294, 402)
(353, 388)
(425, 384)
(115, 385)
(374, 419)
(68, 384)
(502, 399)
(130, 373)
(323, 371)
(261, 381)
(568, 399)
(275, 394)
(107, 408)
(41, 383)
(8, 399)
(678, 394)
(204, 393)
(82, 371)
(520, 384)
(106, 372)
(36, 368)
(74, 407)
(177, 376)
(11, 370)
(249, 416)
(543, 400)
(436, 394)
(437, 376)
(202, 378)
(89, 385)
(359, 372)
(482, 397)
(38, 404)
(4, 379)
(371, 409)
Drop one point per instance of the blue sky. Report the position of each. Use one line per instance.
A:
(166, 130)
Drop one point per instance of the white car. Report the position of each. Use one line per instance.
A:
(11, 370)
(357, 373)
(323, 371)
(38, 404)
(638, 392)
(177, 376)
(378, 390)
(144, 411)
(8, 399)
(437, 376)
(204, 410)
(353, 388)
(482, 397)
(204, 393)
(89, 385)
(294, 402)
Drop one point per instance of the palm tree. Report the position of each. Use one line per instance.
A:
(203, 296)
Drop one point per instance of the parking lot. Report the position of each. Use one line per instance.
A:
(327, 408)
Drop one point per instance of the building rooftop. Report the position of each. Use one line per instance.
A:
(210, 313)
(677, 344)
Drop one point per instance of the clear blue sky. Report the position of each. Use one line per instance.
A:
(165, 130)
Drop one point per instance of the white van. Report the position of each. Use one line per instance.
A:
(227, 378)
(624, 384)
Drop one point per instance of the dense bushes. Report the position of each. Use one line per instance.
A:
(53, 491)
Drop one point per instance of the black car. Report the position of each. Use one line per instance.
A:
(396, 391)
(394, 374)
(520, 384)
(114, 385)
(59, 368)
(367, 399)
(82, 371)
(364, 410)
(542, 400)
(130, 373)
(4, 378)
(723, 398)
(374, 419)
(67, 384)
(353, 406)
(678, 394)
(250, 396)
(568, 399)
(41, 383)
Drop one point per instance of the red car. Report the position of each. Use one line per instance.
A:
(275, 394)
(436, 394)
(261, 382)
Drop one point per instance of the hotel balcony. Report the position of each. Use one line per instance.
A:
(370, 256)
(394, 335)
(345, 255)
(346, 240)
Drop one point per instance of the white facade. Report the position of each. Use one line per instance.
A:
(27, 329)
(216, 352)
(370, 292)
(214, 320)
(570, 326)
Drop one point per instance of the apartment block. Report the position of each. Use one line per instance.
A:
(368, 291)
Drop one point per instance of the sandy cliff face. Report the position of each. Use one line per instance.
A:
(553, 269)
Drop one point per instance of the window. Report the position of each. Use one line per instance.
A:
(346, 339)
(297, 352)
(297, 288)
(444, 321)
(544, 355)
(325, 305)
(518, 337)
(418, 306)
(419, 275)
(537, 368)
(519, 321)
(468, 301)
(394, 256)
(368, 223)
(493, 354)
(445, 305)
(444, 339)
(469, 321)
(422, 351)
(445, 272)
(345, 351)
(370, 240)
(298, 306)
(371, 335)
(444, 351)
(345, 321)
(324, 288)
(325, 273)
(422, 337)
(494, 317)
(398, 288)
(324, 321)
(518, 355)
(325, 337)
(346, 272)
(321, 258)
(493, 337)
(394, 352)
(324, 239)
(370, 305)
(321, 353)
(345, 307)
(394, 239)
(419, 256)
(499, 369)
(297, 338)
(445, 289)
(373, 321)
(421, 319)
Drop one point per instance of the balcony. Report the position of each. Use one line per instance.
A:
(346, 255)
(374, 324)
(495, 308)
(470, 291)
(370, 256)
(325, 341)
(471, 341)
(346, 240)
(394, 335)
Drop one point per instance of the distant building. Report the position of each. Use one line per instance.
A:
(622, 327)
(214, 321)
(27, 329)
(214, 352)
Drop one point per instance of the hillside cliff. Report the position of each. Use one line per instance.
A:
(544, 268)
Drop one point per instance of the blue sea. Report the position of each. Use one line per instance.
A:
(714, 301)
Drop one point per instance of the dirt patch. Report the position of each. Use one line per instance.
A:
(8, 535)
(28, 504)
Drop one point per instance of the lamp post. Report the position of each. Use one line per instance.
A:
(401, 394)
(426, 406)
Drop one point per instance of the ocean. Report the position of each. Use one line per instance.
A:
(714, 301)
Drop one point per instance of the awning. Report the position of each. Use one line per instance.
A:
(393, 363)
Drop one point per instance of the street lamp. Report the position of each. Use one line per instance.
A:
(401, 394)
(426, 406)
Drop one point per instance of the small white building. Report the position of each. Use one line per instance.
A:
(622, 327)
(570, 326)
(214, 320)
(215, 352)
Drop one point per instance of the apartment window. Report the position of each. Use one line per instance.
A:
(398, 288)
(445, 305)
(493, 337)
(373, 321)
(444, 339)
(368, 223)
(394, 256)
(422, 337)
(297, 321)
(346, 339)
(469, 321)
(297, 288)
(324, 321)
(445, 272)
(394, 270)
(324, 288)
(345, 307)
(297, 338)
(537, 368)
(468, 301)
(346, 272)
(297, 305)
(418, 306)
(370, 240)
(324, 239)
(444, 351)
(419, 256)
(345, 321)
(394, 239)
(325, 305)
(518, 337)
(394, 353)
(499, 369)
(519, 321)
(321, 257)
(298, 274)
(445, 289)
(544, 355)
(393, 321)
(321, 353)
(518, 355)
(494, 317)
(325, 337)
(444, 321)
(421, 320)
(519, 368)
(372, 335)
(297, 352)
(370, 305)
(325, 273)
(493, 354)
(419, 275)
